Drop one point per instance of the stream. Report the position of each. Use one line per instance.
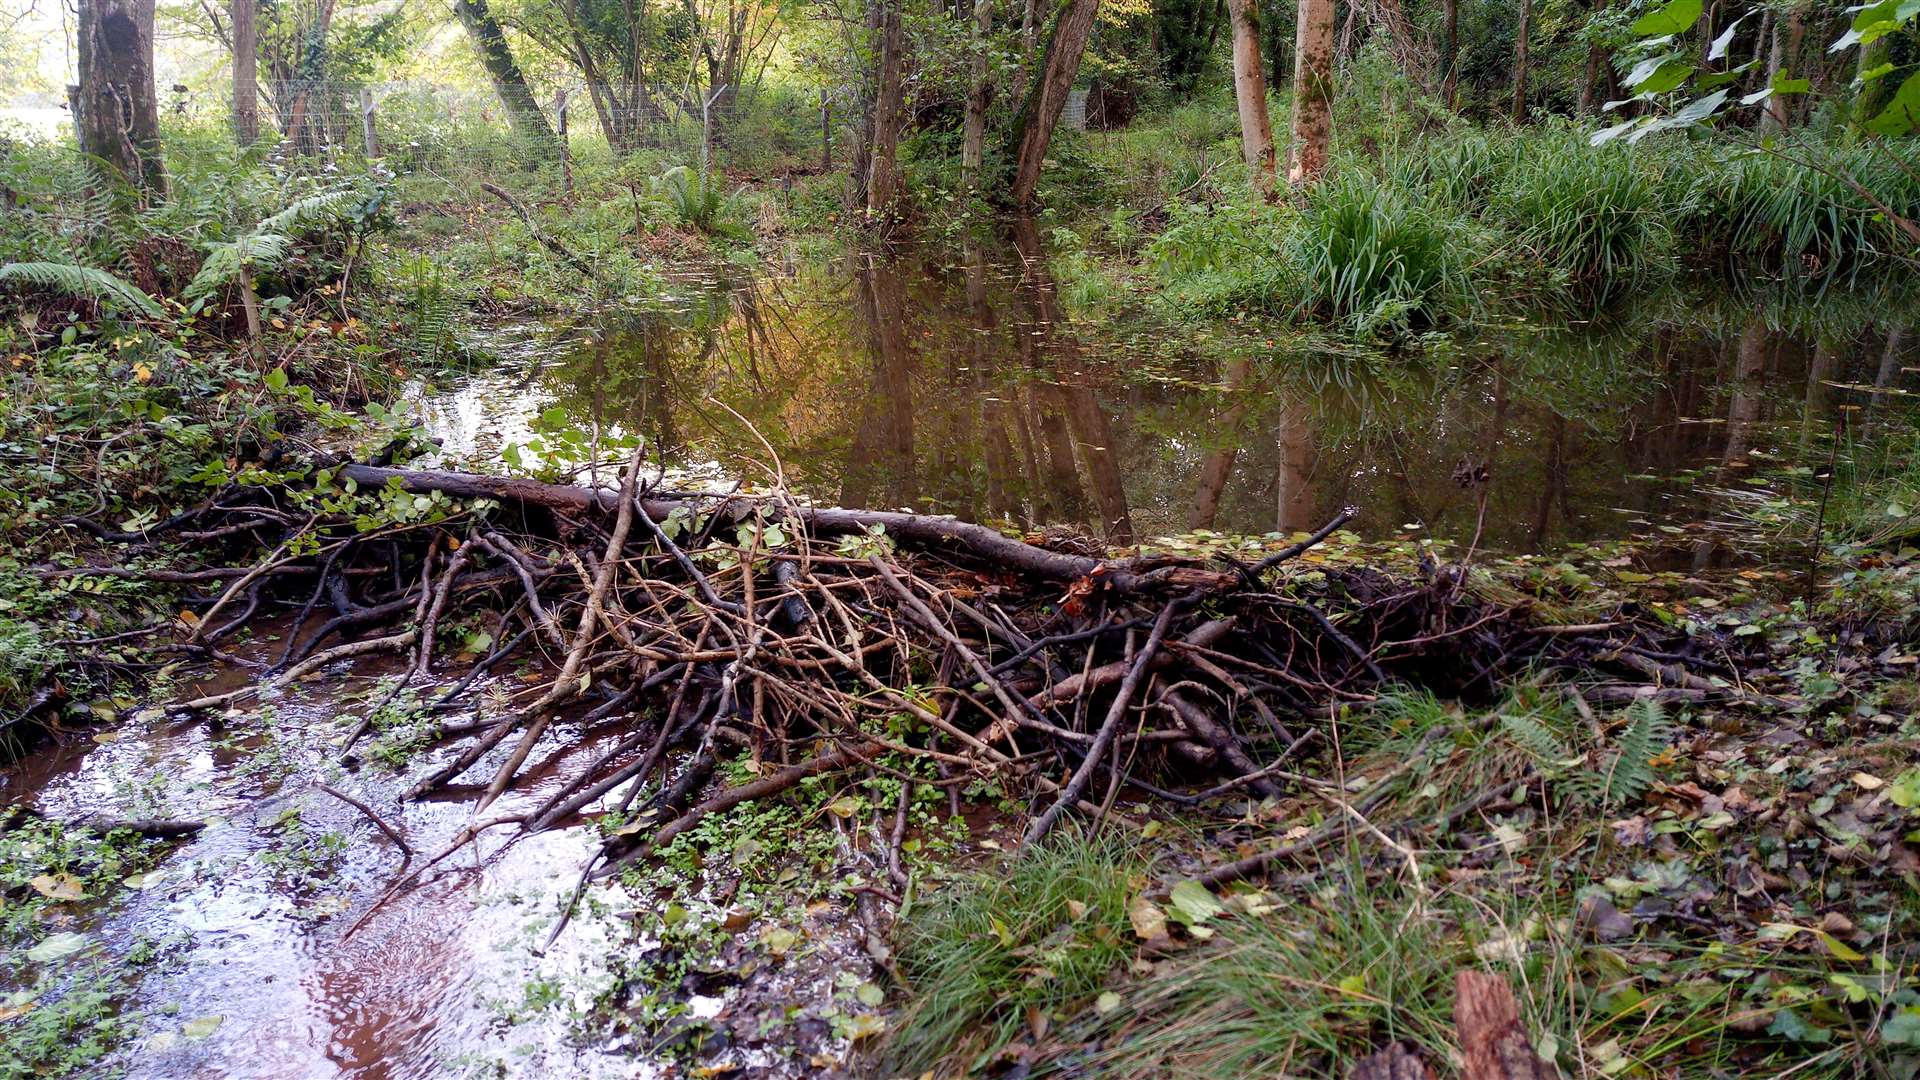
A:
(963, 389)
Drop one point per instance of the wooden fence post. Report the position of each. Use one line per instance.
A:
(366, 123)
(566, 152)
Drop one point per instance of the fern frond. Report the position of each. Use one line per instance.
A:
(225, 260)
(1648, 732)
(1539, 741)
(302, 214)
(83, 281)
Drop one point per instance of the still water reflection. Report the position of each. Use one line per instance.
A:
(959, 382)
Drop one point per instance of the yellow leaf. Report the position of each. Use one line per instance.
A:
(142, 373)
(1148, 920)
(58, 887)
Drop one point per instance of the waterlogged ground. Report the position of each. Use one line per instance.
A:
(960, 384)
(278, 953)
(269, 946)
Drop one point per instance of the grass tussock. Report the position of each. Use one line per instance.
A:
(1037, 934)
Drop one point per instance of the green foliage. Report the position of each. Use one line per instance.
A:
(697, 200)
(1594, 778)
(83, 281)
(1366, 255)
(1039, 933)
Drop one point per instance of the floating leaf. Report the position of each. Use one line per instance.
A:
(57, 947)
(58, 887)
(201, 1026)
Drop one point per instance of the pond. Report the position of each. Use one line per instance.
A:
(957, 382)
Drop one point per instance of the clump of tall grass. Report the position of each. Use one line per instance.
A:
(1594, 215)
(1802, 211)
(1366, 254)
(1042, 932)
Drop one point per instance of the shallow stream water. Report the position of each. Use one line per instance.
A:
(960, 385)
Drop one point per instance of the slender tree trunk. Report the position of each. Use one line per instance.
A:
(1873, 95)
(1787, 33)
(1590, 79)
(118, 119)
(1250, 90)
(883, 183)
(1450, 51)
(1312, 91)
(973, 140)
(1034, 132)
(523, 112)
(860, 152)
(246, 78)
(1521, 42)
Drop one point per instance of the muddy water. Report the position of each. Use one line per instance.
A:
(253, 937)
(962, 384)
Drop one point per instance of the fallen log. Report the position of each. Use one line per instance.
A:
(928, 532)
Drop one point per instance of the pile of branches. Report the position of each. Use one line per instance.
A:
(836, 641)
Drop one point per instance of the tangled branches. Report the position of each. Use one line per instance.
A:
(810, 641)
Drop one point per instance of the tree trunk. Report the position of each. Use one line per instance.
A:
(1450, 59)
(1520, 52)
(1590, 79)
(1873, 95)
(1048, 97)
(1250, 90)
(1312, 91)
(860, 151)
(246, 79)
(118, 119)
(509, 82)
(1786, 44)
(973, 141)
(883, 183)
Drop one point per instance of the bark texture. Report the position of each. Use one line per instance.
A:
(1312, 91)
(1049, 95)
(1521, 59)
(1493, 1042)
(889, 111)
(1250, 91)
(973, 139)
(246, 72)
(118, 119)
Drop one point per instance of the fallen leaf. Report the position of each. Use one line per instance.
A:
(1193, 904)
(58, 887)
(200, 1027)
(57, 947)
(1148, 920)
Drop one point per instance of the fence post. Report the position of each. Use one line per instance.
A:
(826, 132)
(366, 122)
(566, 152)
(706, 132)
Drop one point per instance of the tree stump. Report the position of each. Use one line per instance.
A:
(1493, 1042)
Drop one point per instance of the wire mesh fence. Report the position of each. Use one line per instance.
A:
(418, 123)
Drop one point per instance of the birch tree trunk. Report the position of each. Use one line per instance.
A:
(118, 119)
(1250, 89)
(1034, 132)
(509, 82)
(246, 72)
(1312, 91)
(973, 140)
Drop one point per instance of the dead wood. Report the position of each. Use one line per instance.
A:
(1395, 1062)
(1493, 1042)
